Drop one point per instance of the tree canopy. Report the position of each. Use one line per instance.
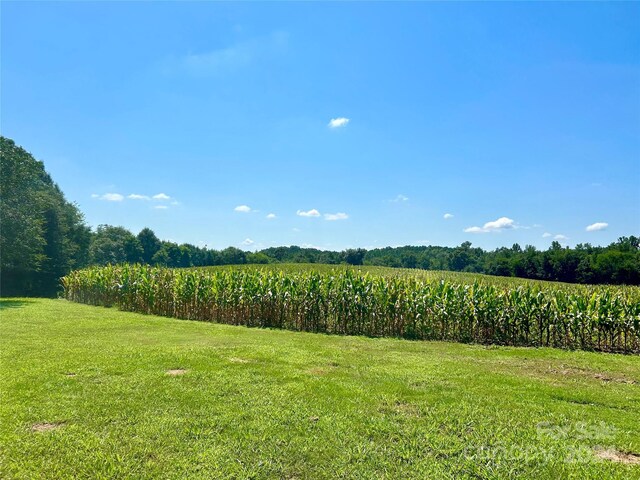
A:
(43, 236)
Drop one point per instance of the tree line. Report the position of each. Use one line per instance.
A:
(43, 237)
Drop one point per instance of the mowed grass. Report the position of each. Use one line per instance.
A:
(86, 394)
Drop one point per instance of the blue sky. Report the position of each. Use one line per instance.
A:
(519, 122)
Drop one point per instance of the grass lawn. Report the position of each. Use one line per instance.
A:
(89, 392)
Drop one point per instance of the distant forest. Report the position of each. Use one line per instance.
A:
(43, 237)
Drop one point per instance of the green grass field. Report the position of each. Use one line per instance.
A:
(86, 394)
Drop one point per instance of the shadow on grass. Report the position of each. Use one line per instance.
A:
(6, 304)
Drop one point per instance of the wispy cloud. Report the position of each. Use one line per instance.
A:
(335, 216)
(447, 216)
(234, 57)
(596, 227)
(338, 122)
(546, 235)
(502, 223)
(400, 198)
(161, 196)
(242, 209)
(160, 207)
(271, 216)
(135, 196)
(109, 197)
(247, 242)
(309, 213)
(560, 237)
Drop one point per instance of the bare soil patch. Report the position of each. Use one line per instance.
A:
(175, 372)
(45, 427)
(239, 360)
(617, 456)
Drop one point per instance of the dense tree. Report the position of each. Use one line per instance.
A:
(114, 245)
(150, 244)
(354, 256)
(43, 236)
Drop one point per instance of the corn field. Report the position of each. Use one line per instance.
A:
(349, 302)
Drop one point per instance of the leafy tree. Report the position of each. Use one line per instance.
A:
(233, 256)
(114, 245)
(43, 236)
(150, 244)
(354, 256)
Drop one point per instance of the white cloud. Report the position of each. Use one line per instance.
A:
(310, 213)
(294, 229)
(235, 57)
(335, 216)
(160, 207)
(248, 241)
(447, 216)
(271, 216)
(546, 235)
(95, 195)
(561, 237)
(112, 197)
(161, 196)
(338, 122)
(242, 208)
(135, 196)
(503, 223)
(175, 202)
(596, 227)
(400, 198)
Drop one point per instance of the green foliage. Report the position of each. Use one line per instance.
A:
(346, 301)
(42, 236)
(111, 245)
(354, 256)
(150, 244)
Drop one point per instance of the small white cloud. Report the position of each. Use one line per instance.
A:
(596, 227)
(447, 216)
(561, 237)
(135, 196)
(335, 216)
(546, 235)
(294, 229)
(160, 207)
(248, 241)
(95, 195)
(310, 213)
(400, 198)
(161, 196)
(242, 208)
(271, 216)
(338, 122)
(175, 202)
(503, 223)
(112, 197)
